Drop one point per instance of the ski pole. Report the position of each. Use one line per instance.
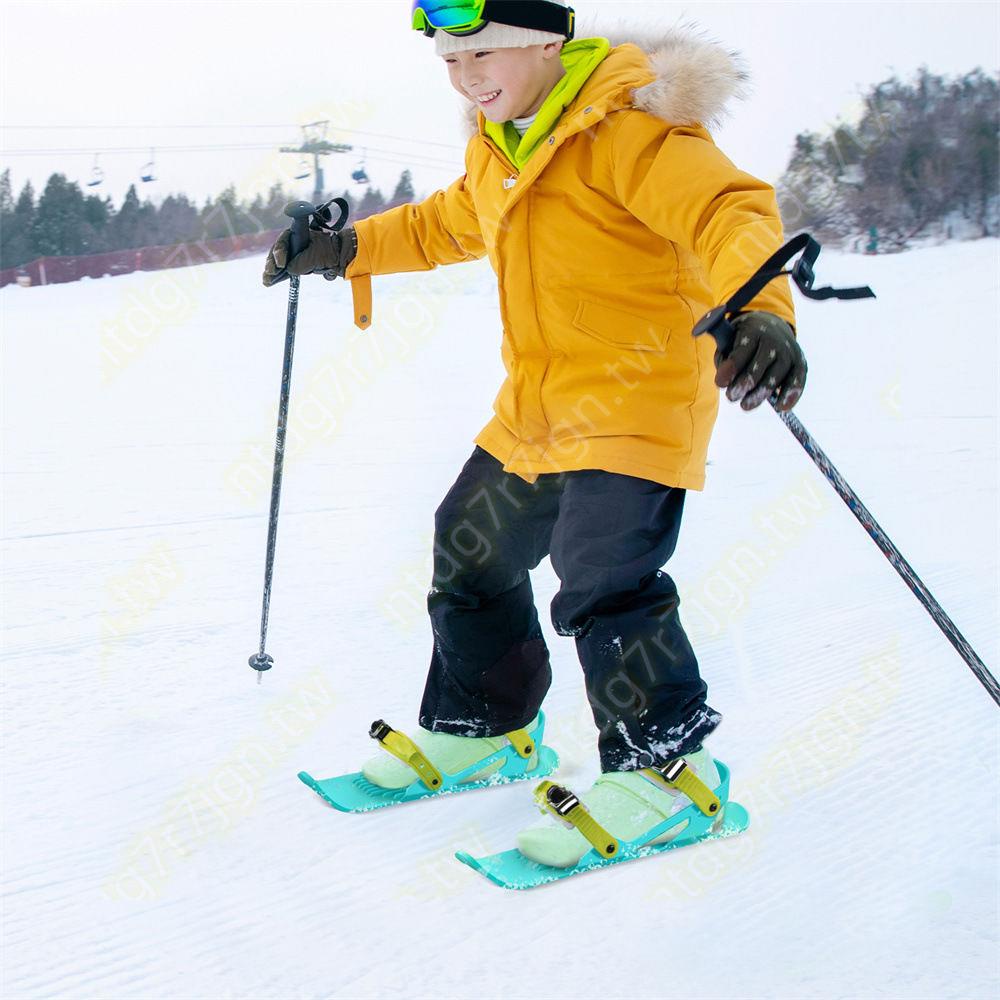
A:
(304, 216)
(299, 212)
(895, 557)
(717, 324)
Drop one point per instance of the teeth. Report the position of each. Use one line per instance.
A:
(483, 98)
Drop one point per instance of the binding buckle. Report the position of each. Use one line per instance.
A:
(562, 800)
(403, 748)
(568, 809)
(677, 775)
(673, 769)
(379, 730)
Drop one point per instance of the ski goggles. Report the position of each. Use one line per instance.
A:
(466, 17)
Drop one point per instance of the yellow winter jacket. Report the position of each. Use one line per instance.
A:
(620, 231)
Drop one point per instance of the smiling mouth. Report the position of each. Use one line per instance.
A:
(483, 99)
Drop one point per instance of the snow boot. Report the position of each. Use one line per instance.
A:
(448, 753)
(435, 764)
(625, 804)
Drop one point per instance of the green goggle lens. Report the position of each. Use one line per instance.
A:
(447, 15)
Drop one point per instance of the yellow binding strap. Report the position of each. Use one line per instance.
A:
(401, 746)
(521, 742)
(564, 805)
(676, 774)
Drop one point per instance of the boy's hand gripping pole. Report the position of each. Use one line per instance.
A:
(717, 324)
(304, 215)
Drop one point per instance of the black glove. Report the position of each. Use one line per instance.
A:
(329, 254)
(765, 361)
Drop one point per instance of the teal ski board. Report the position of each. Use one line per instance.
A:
(354, 793)
(512, 870)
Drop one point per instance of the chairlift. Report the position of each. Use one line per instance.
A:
(360, 174)
(304, 170)
(147, 172)
(96, 174)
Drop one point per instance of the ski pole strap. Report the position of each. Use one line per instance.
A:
(564, 805)
(322, 220)
(402, 747)
(676, 774)
(716, 321)
(522, 742)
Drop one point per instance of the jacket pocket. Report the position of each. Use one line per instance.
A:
(620, 329)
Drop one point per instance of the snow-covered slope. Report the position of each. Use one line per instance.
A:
(156, 841)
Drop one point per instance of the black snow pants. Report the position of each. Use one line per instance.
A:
(607, 535)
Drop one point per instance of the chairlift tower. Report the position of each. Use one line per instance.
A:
(315, 142)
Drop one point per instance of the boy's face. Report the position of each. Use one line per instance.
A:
(516, 80)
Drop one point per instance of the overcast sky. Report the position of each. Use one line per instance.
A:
(78, 78)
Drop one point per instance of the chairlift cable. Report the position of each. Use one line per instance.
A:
(335, 128)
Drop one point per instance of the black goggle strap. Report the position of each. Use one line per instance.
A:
(531, 14)
(716, 322)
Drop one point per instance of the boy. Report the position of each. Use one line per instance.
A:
(613, 224)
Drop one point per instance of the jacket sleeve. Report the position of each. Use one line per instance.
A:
(442, 229)
(676, 180)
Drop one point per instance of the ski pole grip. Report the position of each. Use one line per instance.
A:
(716, 324)
(299, 212)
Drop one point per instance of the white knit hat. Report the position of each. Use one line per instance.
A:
(495, 36)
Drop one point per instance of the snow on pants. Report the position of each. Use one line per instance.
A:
(607, 536)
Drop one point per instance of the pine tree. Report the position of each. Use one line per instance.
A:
(274, 211)
(256, 212)
(97, 213)
(124, 230)
(218, 217)
(21, 246)
(6, 195)
(177, 220)
(227, 217)
(59, 226)
(372, 202)
(404, 189)
(149, 225)
(11, 231)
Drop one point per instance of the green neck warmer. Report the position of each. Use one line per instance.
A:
(579, 58)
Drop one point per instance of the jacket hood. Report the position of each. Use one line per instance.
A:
(678, 75)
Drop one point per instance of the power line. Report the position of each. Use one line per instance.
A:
(112, 127)
(336, 128)
(387, 155)
(212, 148)
(111, 150)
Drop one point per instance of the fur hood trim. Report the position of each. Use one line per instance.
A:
(695, 77)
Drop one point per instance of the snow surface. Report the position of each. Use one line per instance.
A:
(156, 840)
